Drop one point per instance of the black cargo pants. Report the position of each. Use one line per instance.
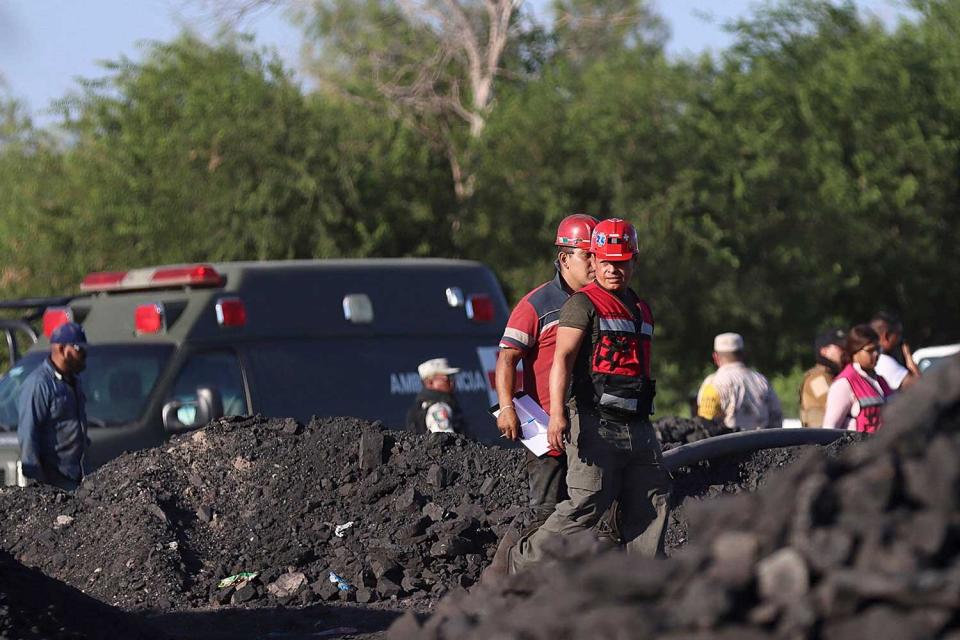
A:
(547, 484)
(606, 461)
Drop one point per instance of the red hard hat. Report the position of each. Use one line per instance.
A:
(614, 240)
(575, 231)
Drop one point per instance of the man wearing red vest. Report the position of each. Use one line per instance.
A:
(601, 398)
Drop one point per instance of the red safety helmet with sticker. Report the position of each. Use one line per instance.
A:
(614, 240)
(575, 231)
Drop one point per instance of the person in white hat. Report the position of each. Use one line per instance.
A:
(737, 396)
(436, 409)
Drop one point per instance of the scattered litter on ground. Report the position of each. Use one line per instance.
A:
(342, 584)
(237, 579)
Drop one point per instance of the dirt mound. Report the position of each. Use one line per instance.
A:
(35, 607)
(731, 475)
(392, 514)
(673, 432)
(865, 545)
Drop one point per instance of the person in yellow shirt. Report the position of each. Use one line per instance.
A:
(737, 396)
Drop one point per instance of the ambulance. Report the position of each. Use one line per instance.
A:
(174, 347)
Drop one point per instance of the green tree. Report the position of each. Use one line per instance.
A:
(587, 30)
(431, 62)
(819, 188)
(30, 164)
(211, 152)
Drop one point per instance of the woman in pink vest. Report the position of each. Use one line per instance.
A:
(858, 393)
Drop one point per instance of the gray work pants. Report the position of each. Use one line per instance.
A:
(606, 461)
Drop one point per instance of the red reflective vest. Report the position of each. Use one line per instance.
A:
(871, 402)
(620, 362)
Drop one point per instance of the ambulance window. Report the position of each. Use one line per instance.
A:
(118, 381)
(217, 369)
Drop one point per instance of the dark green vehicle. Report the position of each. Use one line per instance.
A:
(174, 347)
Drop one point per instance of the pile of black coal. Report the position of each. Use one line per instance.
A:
(863, 545)
(675, 431)
(36, 607)
(268, 511)
(730, 475)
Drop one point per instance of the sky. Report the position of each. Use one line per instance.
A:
(46, 45)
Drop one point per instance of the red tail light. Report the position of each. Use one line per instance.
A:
(53, 317)
(103, 280)
(201, 274)
(149, 318)
(195, 275)
(231, 312)
(480, 308)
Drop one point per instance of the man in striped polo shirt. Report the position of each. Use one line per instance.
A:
(530, 337)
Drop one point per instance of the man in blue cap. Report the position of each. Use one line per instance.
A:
(52, 429)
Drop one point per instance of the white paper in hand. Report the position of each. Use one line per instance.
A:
(533, 424)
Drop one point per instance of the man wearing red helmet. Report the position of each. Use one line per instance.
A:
(530, 336)
(602, 357)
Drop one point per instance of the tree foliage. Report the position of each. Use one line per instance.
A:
(805, 177)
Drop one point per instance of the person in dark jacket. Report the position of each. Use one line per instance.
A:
(436, 409)
(52, 427)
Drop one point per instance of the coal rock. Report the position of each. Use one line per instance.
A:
(411, 584)
(246, 593)
(734, 555)
(783, 577)
(410, 500)
(383, 566)
(326, 590)
(36, 607)
(365, 595)
(674, 431)
(855, 540)
(437, 476)
(451, 546)
(487, 486)
(371, 450)
(434, 511)
(253, 494)
(287, 585)
(387, 588)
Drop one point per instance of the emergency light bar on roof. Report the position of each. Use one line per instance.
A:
(197, 275)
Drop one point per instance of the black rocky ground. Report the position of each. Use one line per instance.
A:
(161, 528)
(36, 607)
(157, 530)
(673, 432)
(730, 475)
(861, 545)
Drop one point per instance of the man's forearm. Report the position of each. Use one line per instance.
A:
(559, 382)
(506, 375)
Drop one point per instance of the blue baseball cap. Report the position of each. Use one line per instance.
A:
(68, 333)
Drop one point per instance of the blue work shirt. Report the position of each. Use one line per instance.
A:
(52, 429)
